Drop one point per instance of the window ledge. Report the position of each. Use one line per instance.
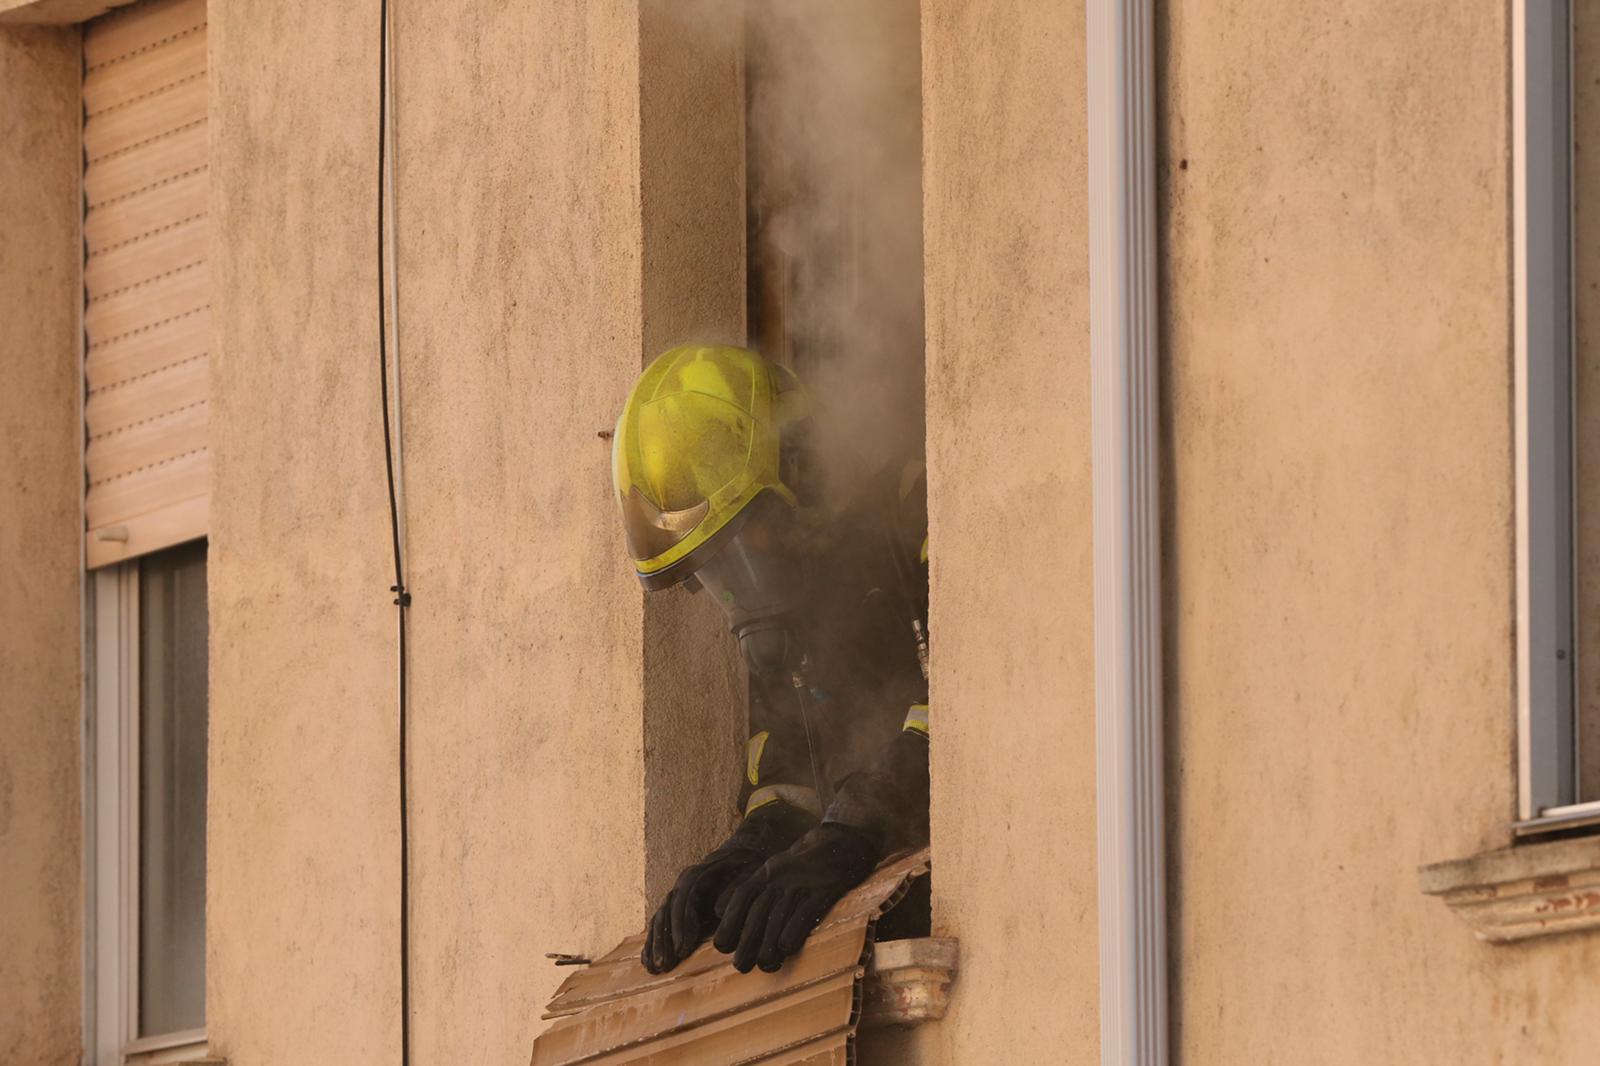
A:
(1522, 892)
(908, 982)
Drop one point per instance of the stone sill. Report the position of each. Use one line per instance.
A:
(1521, 892)
(908, 982)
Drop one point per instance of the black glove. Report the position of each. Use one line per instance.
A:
(770, 913)
(685, 917)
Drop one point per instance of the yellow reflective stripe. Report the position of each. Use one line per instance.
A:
(752, 756)
(794, 795)
(924, 556)
(916, 719)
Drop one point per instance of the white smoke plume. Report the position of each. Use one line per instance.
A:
(834, 152)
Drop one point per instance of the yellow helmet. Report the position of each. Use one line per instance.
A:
(699, 439)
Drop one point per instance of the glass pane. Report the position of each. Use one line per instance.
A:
(172, 790)
(1586, 374)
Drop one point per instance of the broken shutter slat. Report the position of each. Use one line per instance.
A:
(829, 1051)
(146, 280)
(704, 1012)
(755, 1034)
(607, 980)
(696, 999)
(618, 972)
(611, 983)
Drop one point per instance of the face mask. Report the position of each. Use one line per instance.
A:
(757, 579)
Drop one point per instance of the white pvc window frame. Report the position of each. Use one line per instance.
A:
(1125, 438)
(112, 778)
(1547, 719)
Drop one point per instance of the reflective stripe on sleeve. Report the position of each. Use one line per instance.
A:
(916, 719)
(794, 795)
(752, 756)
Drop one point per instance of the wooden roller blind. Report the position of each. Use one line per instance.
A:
(147, 318)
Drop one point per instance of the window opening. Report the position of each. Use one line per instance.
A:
(1557, 283)
(150, 724)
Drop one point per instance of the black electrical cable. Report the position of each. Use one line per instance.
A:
(402, 598)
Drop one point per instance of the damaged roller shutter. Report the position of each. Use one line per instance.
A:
(147, 321)
(706, 1013)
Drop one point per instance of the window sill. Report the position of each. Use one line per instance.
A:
(1518, 893)
(175, 1049)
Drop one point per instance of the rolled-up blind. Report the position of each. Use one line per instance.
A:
(147, 319)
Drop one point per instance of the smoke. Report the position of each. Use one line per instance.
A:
(834, 169)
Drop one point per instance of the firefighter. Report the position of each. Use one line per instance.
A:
(827, 599)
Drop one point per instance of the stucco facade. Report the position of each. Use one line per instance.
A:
(41, 616)
(1339, 580)
(570, 187)
(1005, 193)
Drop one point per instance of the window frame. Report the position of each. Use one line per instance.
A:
(1548, 750)
(113, 783)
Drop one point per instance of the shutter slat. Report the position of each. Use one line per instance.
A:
(173, 523)
(147, 463)
(145, 259)
(122, 33)
(146, 398)
(145, 213)
(161, 160)
(162, 67)
(167, 437)
(168, 344)
(171, 109)
(145, 306)
(136, 494)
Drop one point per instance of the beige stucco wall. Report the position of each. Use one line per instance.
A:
(41, 702)
(303, 855)
(531, 191)
(519, 323)
(1008, 482)
(1339, 557)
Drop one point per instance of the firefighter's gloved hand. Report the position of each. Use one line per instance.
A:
(686, 915)
(770, 913)
(689, 913)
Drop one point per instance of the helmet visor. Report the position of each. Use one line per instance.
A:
(650, 530)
